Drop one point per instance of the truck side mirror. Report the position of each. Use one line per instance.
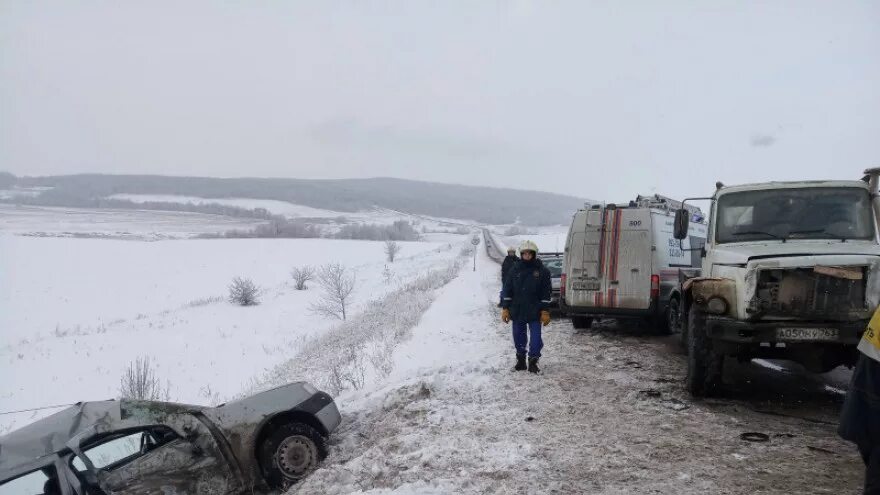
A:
(682, 222)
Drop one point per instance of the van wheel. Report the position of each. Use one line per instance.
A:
(704, 365)
(581, 322)
(290, 453)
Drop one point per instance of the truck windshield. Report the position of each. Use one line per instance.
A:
(783, 214)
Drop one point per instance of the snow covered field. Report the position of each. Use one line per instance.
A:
(291, 210)
(117, 224)
(273, 206)
(76, 312)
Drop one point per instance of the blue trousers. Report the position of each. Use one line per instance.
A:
(532, 338)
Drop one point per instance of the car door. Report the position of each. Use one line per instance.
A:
(154, 459)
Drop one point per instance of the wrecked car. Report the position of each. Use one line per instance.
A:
(266, 441)
(790, 270)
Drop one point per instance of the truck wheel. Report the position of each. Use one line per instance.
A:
(672, 317)
(683, 336)
(704, 365)
(290, 453)
(581, 322)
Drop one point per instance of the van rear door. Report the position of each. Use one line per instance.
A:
(628, 259)
(583, 280)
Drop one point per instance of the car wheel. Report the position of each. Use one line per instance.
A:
(704, 365)
(581, 322)
(290, 453)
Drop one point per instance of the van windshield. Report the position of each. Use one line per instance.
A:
(783, 214)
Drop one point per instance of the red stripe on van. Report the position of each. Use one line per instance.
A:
(600, 266)
(614, 255)
(618, 216)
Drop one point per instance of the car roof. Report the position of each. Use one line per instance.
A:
(51, 434)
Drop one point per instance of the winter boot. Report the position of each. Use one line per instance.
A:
(533, 365)
(520, 362)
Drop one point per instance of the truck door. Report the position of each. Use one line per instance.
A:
(628, 259)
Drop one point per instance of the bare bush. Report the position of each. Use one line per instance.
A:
(301, 275)
(338, 284)
(141, 382)
(244, 292)
(391, 250)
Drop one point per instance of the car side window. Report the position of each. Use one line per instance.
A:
(118, 449)
(43, 481)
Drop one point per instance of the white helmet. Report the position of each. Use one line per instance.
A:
(511, 250)
(528, 246)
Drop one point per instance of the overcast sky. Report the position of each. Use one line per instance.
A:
(595, 99)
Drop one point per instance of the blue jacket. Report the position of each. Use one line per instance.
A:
(860, 416)
(526, 290)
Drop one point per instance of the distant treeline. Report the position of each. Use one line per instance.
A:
(482, 204)
(280, 227)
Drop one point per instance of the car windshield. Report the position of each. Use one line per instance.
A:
(783, 214)
(554, 265)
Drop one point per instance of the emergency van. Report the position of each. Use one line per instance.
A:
(624, 261)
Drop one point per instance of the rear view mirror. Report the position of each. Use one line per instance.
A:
(682, 222)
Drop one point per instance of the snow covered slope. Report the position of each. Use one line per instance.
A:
(76, 312)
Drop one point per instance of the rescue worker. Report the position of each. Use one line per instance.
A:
(860, 417)
(526, 301)
(508, 262)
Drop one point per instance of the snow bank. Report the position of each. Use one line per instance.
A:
(355, 351)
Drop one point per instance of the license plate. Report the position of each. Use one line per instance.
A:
(807, 334)
(586, 285)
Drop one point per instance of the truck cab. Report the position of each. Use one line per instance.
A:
(790, 270)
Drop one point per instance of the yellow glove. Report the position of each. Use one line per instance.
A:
(545, 317)
(505, 315)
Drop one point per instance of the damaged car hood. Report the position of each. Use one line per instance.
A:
(742, 253)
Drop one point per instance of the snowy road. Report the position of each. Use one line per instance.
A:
(609, 415)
